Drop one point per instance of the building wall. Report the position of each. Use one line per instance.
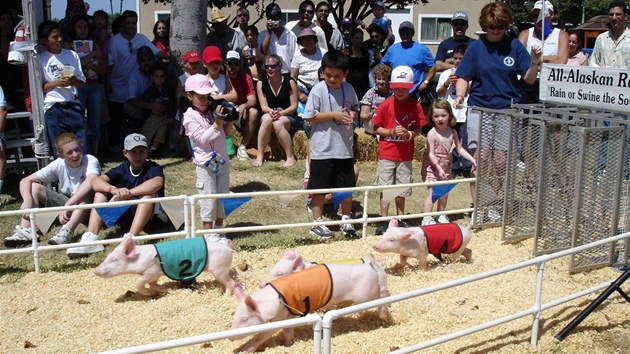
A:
(435, 9)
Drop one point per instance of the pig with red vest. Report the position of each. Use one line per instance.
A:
(419, 242)
(319, 287)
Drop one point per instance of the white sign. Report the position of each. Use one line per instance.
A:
(592, 87)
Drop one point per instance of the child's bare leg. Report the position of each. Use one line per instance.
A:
(400, 205)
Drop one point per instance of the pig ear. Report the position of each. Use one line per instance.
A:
(290, 254)
(128, 246)
(239, 292)
(251, 304)
(406, 235)
(298, 264)
(393, 222)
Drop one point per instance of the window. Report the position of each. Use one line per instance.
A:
(435, 28)
(162, 15)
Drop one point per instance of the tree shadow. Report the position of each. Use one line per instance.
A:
(253, 186)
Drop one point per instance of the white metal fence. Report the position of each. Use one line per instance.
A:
(323, 326)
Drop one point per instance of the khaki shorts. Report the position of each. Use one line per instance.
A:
(154, 129)
(55, 199)
(394, 172)
(209, 183)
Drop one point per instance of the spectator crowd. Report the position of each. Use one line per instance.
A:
(109, 89)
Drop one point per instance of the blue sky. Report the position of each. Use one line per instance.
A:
(59, 6)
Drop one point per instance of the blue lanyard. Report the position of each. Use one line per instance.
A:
(343, 99)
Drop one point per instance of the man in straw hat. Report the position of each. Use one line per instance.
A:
(222, 36)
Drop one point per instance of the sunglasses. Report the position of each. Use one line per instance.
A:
(460, 24)
(242, 15)
(272, 66)
(307, 12)
(493, 27)
(233, 63)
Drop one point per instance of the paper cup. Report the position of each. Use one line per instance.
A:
(67, 71)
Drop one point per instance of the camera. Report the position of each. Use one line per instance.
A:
(230, 110)
(275, 23)
(214, 162)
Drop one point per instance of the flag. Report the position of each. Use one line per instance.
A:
(111, 214)
(231, 204)
(546, 30)
(439, 191)
(339, 197)
(82, 47)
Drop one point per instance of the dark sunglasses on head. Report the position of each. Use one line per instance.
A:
(493, 27)
(304, 11)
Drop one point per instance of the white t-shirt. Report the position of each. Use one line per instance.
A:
(451, 95)
(308, 66)
(123, 60)
(3, 101)
(284, 46)
(217, 86)
(52, 67)
(69, 178)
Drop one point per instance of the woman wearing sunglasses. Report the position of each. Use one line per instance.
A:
(492, 65)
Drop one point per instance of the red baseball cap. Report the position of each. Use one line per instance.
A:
(191, 56)
(212, 53)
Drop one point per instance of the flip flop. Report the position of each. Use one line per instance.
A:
(257, 163)
(284, 165)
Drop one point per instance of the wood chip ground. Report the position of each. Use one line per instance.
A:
(79, 313)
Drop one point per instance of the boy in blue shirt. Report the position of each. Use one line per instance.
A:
(135, 178)
(331, 109)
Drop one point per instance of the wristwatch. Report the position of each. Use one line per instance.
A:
(426, 82)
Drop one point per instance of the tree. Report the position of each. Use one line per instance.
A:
(187, 29)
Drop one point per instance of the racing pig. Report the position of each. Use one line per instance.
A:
(180, 260)
(291, 262)
(418, 242)
(321, 286)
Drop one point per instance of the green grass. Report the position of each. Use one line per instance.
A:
(180, 180)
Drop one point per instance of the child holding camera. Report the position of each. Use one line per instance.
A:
(206, 129)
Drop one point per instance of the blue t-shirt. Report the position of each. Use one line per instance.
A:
(121, 176)
(493, 68)
(445, 49)
(417, 57)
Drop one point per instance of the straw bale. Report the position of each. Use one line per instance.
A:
(78, 312)
(365, 146)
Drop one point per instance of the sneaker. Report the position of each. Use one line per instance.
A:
(218, 237)
(403, 223)
(347, 229)
(428, 220)
(381, 228)
(85, 250)
(443, 219)
(62, 236)
(241, 153)
(321, 231)
(21, 237)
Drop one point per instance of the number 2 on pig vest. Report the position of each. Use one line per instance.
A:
(186, 264)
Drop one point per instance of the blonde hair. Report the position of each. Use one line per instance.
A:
(383, 70)
(445, 105)
(63, 139)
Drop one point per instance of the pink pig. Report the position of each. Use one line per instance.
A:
(127, 258)
(291, 262)
(321, 286)
(418, 242)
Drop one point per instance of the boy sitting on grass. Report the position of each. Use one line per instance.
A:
(331, 109)
(74, 171)
(135, 178)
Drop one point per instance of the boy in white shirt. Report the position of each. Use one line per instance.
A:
(74, 171)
